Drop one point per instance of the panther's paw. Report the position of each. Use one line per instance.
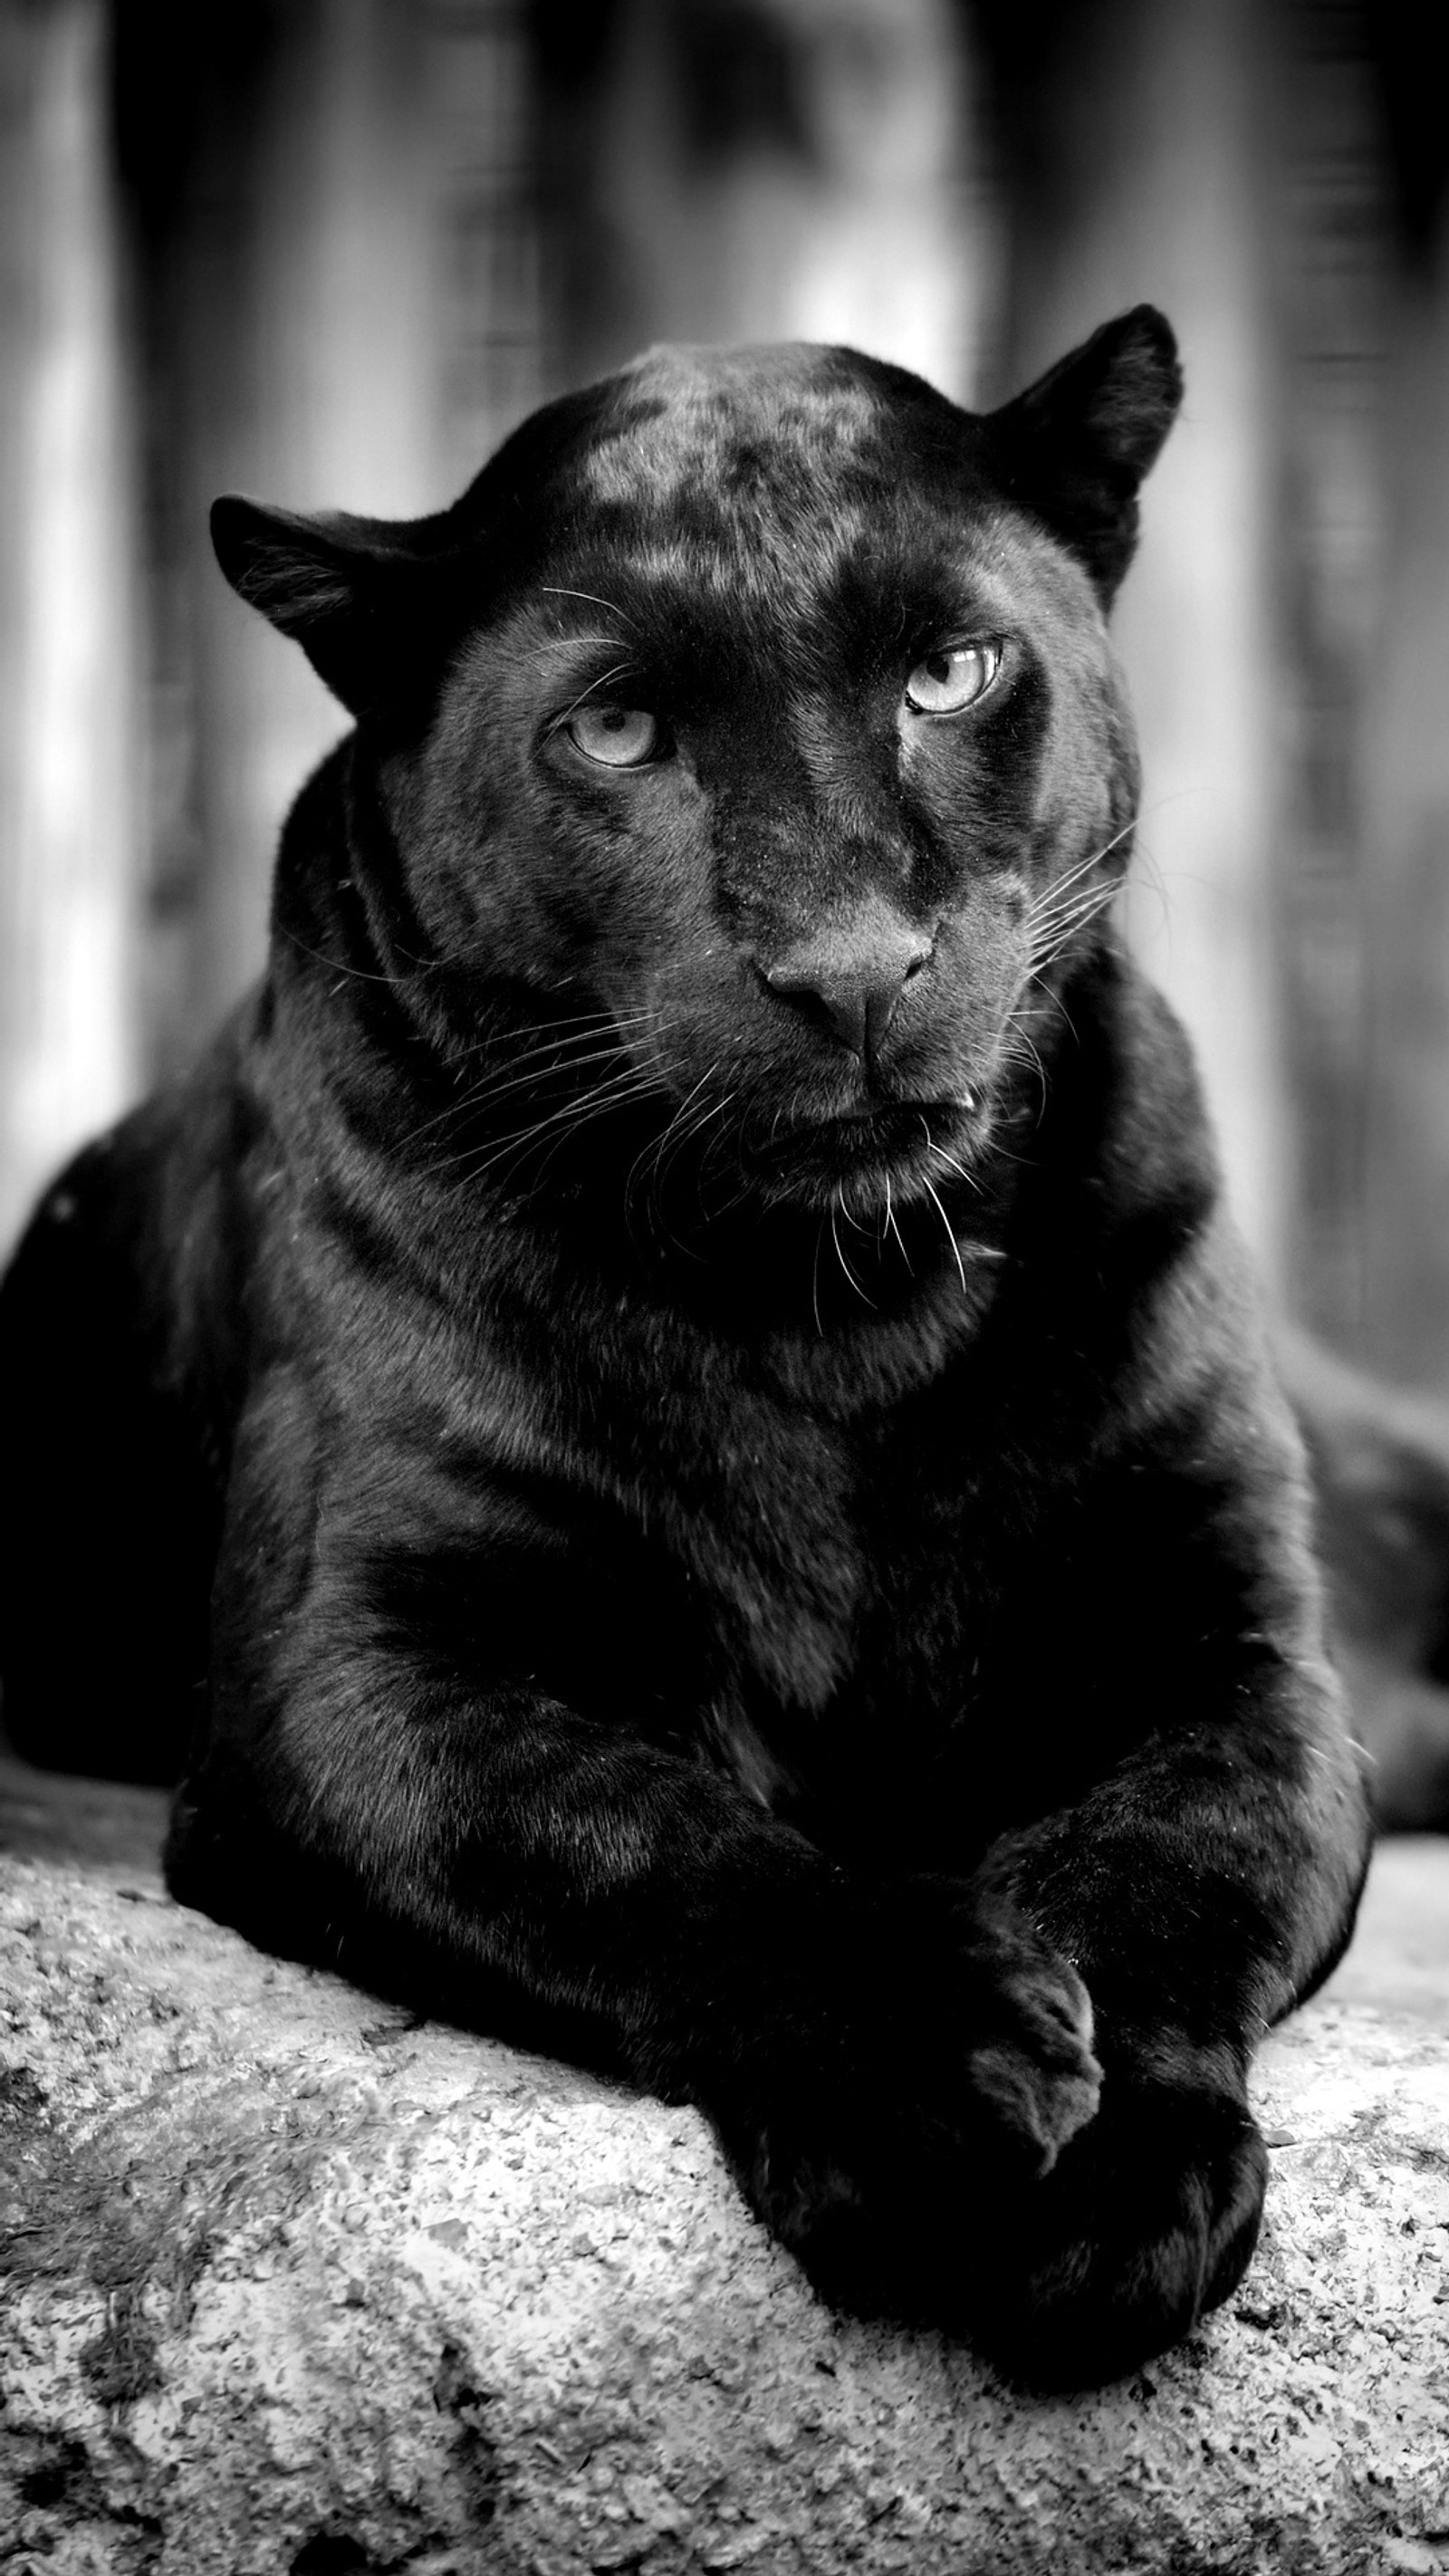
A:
(947, 2063)
(1147, 2222)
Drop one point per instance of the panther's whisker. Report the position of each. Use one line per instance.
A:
(1055, 999)
(970, 1179)
(839, 1201)
(1078, 908)
(1026, 1053)
(687, 1132)
(592, 1109)
(487, 1094)
(1062, 887)
(542, 1061)
(1083, 867)
(551, 1054)
(556, 590)
(677, 1132)
(554, 1041)
(834, 1237)
(566, 643)
(950, 1233)
(1067, 897)
(1044, 954)
(340, 965)
(892, 1226)
(622, 1088)
(477, 1096)
(533, 1075)
(587, 1115)
(579, 1020)
(554, 1044)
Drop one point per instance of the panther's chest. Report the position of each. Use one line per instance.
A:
(800, 1545)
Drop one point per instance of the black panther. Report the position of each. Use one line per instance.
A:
(670, 1432)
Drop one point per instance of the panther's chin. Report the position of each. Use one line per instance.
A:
(871, 1161)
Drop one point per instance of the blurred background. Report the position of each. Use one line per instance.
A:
(328, 251)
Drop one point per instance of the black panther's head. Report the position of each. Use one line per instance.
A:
(754, 712)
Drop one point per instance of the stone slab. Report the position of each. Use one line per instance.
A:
(295, 2286)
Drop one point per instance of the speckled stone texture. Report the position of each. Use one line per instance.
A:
(294, 2287)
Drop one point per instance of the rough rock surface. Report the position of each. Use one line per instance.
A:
(295, 2287)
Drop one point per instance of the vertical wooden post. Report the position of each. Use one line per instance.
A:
(765, 170)
(347, 309)
(69, 731)
(1199, 626)
(1152, 160)
(1336, 268)
(1406, 804)
(304, 371)
(1365, 530)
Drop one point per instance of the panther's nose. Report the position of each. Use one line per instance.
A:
(851, 975)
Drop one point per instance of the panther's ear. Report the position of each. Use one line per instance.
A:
(1075, 446)
(349, 590)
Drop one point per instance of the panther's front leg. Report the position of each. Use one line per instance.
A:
(875, 2052)
(1202, 1890)
(389, 1788)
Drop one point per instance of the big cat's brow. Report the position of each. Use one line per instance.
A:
(664, 597)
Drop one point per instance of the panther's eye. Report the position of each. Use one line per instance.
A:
(620, 737)
(953, 677)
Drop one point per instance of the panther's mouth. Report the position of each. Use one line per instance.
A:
(867, 1157)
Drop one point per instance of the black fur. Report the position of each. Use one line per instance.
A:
(755, 1541)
